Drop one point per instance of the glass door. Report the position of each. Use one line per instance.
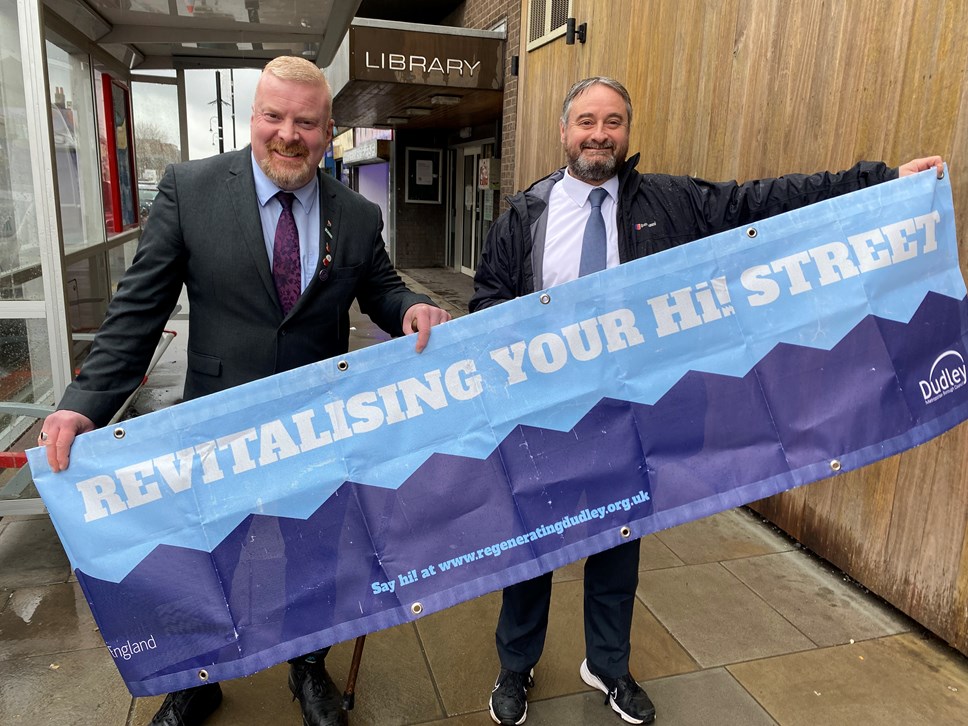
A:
(468, 218)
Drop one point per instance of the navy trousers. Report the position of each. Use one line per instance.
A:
(610, 581)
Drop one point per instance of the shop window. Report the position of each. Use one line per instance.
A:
(546, 21)
(156, 138)
(25, 369)
(19, 235)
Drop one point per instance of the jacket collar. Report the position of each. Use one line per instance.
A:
(532, 202)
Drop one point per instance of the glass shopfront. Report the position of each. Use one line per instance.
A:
(69, 217)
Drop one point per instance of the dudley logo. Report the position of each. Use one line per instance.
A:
(947, 375)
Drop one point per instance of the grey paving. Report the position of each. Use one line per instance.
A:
(817, 599)
(716, 617)
(735, 624)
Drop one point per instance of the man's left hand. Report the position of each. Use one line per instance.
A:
(420, 318)
(916, 165)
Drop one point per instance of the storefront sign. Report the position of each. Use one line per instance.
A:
(425, 58)
(229, 533)
(374, 151)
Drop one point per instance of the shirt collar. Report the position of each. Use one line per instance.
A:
(578, 191)
(266, 189)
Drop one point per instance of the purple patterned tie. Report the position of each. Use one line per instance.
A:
(285, 255)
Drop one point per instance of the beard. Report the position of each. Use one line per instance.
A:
(598, 168)
(293, 172)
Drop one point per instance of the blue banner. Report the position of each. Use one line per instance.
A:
(232, 532)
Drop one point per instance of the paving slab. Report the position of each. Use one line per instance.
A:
(708, 697)
(459, 644)
(816, 598)
(728, 535)
(478, 718)
(70, 689)
(45, 620)
(31, 554)
(654, 555)
(394, 685)
(716, 617)
(582, 709)
(901, 679)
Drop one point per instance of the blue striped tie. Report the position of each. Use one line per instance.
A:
(593, 242)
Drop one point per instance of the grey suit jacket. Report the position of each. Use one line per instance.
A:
(204, 231)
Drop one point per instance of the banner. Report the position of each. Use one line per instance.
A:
(232, 532)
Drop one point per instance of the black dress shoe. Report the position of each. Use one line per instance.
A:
(318, 696)
(189, 707)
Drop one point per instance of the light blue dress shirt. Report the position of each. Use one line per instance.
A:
(304, 212)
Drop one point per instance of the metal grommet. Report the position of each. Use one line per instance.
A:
(626, 532)
(119, 433)
(342, 365)
(835, 465)
(545, 298)
(751, 232)
(416, 608)
(203, 675)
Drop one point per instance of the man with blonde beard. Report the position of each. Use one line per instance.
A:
(272, 254)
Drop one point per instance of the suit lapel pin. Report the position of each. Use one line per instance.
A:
(327, 261)
(329, 233)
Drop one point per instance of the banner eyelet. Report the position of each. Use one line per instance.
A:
(545, 298)
(625, 532)
(119, 433)
(835, 465)
(203, 675)
(416, 608)
(342, 365)
(751, 232)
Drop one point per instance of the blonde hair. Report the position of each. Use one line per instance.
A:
(298, 70)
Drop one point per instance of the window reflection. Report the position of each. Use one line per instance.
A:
(19, 249)
(75, 146)
(25, 373)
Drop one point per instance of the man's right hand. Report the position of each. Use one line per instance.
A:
(58, 433)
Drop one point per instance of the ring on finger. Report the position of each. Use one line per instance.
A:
(43, 436)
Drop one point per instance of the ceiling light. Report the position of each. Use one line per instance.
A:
(414, 111)
(444, 100)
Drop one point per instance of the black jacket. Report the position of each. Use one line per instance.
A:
(655, 212)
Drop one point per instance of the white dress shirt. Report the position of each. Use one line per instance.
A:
(568, 211)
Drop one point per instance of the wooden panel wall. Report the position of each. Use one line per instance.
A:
(740, 89)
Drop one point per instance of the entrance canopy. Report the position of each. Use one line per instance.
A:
(180, 34)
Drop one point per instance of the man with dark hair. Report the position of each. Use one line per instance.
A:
(272, 253)
(597, 213)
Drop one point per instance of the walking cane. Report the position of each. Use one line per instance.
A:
(349, 695)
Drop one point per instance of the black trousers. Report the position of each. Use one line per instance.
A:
(610, 581)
